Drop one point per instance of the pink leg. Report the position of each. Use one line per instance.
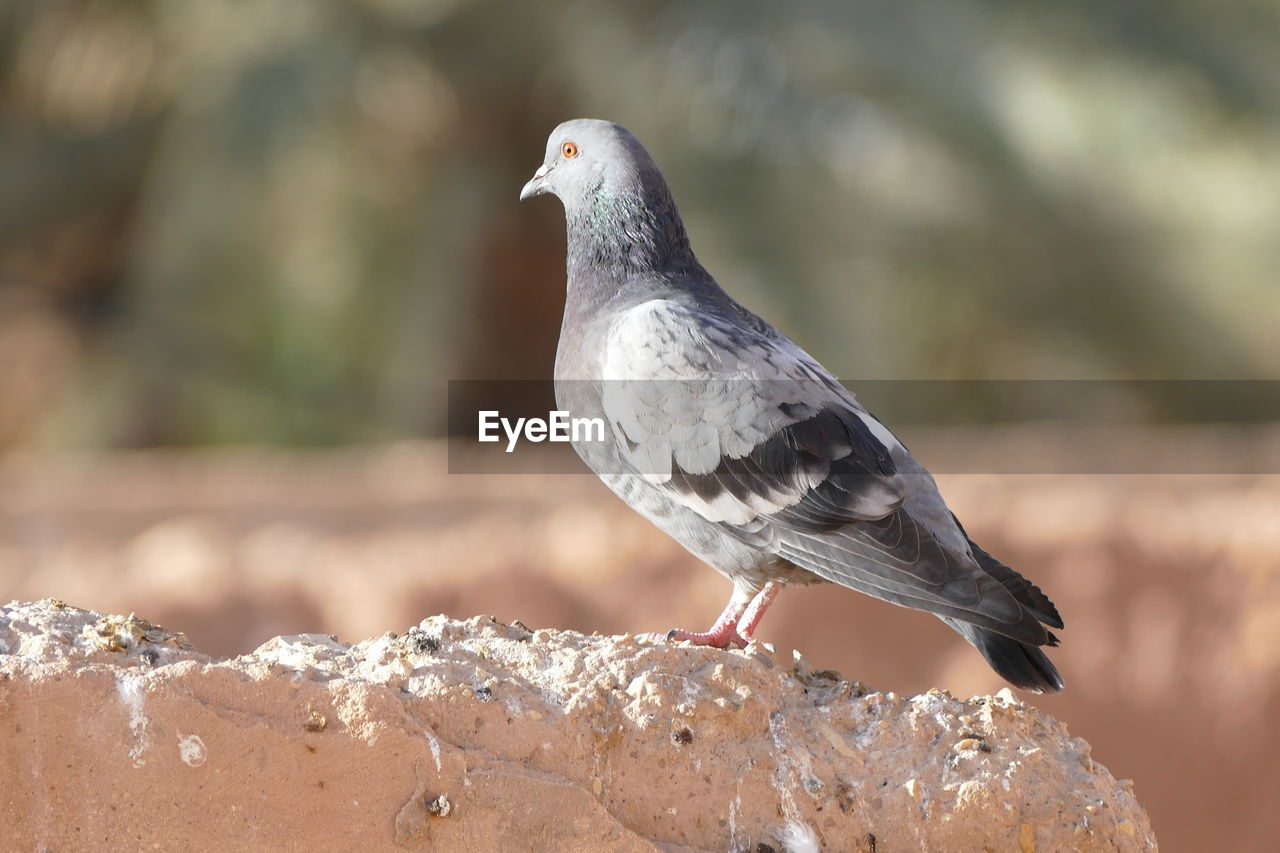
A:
(737, 623)
(755, 610)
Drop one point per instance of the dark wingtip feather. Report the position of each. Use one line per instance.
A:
(1027, 593)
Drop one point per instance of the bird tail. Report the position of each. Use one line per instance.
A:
(1021, 664)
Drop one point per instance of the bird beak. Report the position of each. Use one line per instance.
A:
(535, 185)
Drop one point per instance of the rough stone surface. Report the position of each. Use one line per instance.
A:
(477, 735)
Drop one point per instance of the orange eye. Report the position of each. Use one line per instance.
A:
(569, 150)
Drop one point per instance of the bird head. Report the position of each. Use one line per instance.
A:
(585, 156)
(620, 217)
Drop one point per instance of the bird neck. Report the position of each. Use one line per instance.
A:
(622, 235)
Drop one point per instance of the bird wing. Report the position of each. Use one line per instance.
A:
(732, 420)
(737, 426)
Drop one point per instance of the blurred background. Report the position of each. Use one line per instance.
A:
(244, 246)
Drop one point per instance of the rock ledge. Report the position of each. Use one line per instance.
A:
(477, 735)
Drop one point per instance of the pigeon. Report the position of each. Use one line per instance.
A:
(736, 442)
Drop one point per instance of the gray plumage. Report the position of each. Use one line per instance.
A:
(737, 443)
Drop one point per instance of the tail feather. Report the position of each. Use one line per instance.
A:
(1021, 664)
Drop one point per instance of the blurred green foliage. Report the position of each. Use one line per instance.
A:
(236, 220)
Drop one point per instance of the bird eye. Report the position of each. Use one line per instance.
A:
(569, 150)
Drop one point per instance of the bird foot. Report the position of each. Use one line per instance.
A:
(718, 638)
(736, 625)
